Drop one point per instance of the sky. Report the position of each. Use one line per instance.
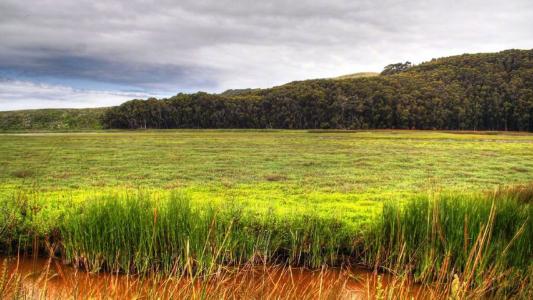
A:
(59, 53)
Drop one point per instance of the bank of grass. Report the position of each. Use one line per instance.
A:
(390, 200)
(480, 242)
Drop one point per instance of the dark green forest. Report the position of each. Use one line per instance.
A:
(489, 91)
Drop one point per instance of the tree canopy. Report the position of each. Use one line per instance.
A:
(490, 91)
(396, 68)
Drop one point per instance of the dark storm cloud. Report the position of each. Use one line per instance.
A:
(171, 46)
(152, 76)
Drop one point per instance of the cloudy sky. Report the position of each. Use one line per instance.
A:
(58, 53)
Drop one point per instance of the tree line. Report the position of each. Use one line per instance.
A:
(491, 91)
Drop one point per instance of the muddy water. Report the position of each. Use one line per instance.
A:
(49, 279)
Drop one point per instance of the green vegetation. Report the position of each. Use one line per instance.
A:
(52, 119)
(488, 91)
(173, 235)
(478, 236)
(416, 203)
(333, 172)
(492, 91)
(468, 243)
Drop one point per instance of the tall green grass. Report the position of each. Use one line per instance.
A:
(480, 242)
(136, 233)
(486, 239)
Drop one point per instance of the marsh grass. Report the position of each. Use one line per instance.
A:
(481, 242)
(139, 234)
(459, 244)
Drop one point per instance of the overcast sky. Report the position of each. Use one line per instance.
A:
(79, 53)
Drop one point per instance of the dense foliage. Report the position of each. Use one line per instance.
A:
(52, 119)
(479, 242)
(473, 91)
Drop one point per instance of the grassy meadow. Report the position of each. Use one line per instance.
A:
(349, 171)
(444, 208)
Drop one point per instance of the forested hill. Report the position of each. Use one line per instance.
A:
(52, 119)
(489, 91)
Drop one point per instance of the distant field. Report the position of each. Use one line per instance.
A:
(331, 171)
(358, 75)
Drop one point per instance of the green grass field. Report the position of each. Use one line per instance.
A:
(409, 201)
(330, 170)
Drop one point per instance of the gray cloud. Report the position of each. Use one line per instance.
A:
(171, 46)
(151, 76)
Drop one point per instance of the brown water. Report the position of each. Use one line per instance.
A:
(49, 279)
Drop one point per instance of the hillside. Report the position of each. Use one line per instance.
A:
(486, 91)
(239, 92)
(52, 119)
(357, 75)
